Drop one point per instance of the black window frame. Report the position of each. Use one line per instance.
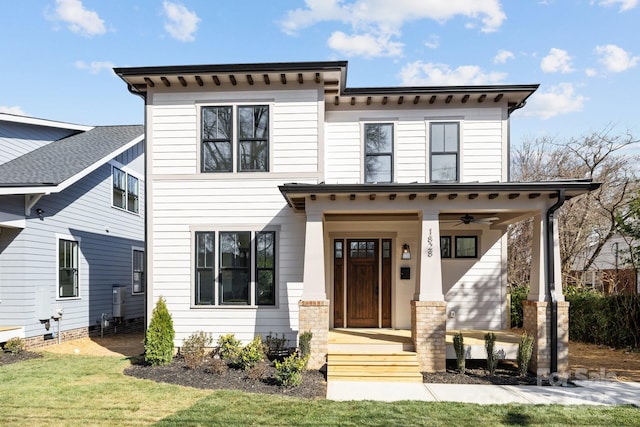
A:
(259, 269)
(371, 154)
(475, 247)
(253, 140)
(215, 141)
(206, 267)
(444, 151)
(447, 247)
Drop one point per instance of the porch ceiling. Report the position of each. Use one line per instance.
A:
(491, 194)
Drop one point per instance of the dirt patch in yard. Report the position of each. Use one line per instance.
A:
(591, 361)
(119, 345)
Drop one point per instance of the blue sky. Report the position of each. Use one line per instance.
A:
(58, 55)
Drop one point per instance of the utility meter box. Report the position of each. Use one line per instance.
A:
(118, 300)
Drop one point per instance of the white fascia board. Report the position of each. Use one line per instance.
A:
(42, 122)
(11, 220)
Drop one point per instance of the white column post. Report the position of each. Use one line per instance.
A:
(538, 289)
(430, 274)
(557, 261)
(313, 278)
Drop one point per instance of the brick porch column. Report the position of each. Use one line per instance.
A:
(428, 330)
(314, 317)
(537, 317)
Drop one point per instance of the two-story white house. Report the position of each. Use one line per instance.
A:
(280, 200)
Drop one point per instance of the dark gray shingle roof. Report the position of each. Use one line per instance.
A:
(64, 158)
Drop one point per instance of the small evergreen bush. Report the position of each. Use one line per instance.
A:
(229, 348)
(251, 354)
(14, 345)
(518, 293)
(158, 341)
(525, 350)
(492, 354)
(289, 371)
(305, 344)
(458, 346)
(194, 349)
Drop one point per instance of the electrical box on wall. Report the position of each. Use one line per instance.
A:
(405, 273)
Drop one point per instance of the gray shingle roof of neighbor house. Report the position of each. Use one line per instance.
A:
(76, 155)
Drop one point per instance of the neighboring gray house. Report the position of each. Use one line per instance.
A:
(71, 229)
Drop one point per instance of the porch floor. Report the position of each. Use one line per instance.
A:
(8, 332)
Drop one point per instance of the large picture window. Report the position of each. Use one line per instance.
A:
(445, 146)
(247, 139)
(378, 152)
(126, 190)
(68, 285)
(235, 271)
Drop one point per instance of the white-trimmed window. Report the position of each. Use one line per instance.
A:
(138, 278)
(378, 152)
(243, 273)
(68, 268)
(126, 190)
(445, 151)
(247, 138)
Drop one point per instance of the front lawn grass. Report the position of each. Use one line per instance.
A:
(92, 391)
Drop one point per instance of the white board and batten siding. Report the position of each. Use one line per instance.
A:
(185, 200)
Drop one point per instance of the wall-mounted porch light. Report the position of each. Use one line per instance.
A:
(406, 251)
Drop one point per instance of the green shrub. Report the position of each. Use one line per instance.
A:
(305, 344)
(458, 346)
(14, 345)
(492, 354)
(251, 354)
(525, 350)
(158, 341)
(289, 371)
(229, 348)
(518, 293)
(194, 349)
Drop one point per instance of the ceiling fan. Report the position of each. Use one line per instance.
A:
(470, 219)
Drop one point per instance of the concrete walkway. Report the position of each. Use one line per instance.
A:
(584, 393)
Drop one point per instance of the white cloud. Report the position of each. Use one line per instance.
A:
(366, 45)
(433, 42)
(383, 19)
(95, 66)
(557, 61)
(591, 72)
(182, 23)
(624, 4)
(419, 73)
(503, 56)
(12, 110)
(560, 99)
(79, 20)
(616, 59)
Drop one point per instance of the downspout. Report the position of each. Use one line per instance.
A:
(551, 286)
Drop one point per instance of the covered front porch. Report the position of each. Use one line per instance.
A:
(454, 276)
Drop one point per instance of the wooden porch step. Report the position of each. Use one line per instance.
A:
(395, 366)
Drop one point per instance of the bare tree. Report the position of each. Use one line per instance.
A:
(588, 222)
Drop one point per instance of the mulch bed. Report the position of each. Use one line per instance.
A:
(259, 380)
(506, 373)
(7, 358)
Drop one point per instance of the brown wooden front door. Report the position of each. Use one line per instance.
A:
(362, 283)
(359, 283)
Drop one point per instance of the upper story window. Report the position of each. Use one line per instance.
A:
(445, 149)
(68, 283)
(378, 152)
(126, 190)
(248, 137)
